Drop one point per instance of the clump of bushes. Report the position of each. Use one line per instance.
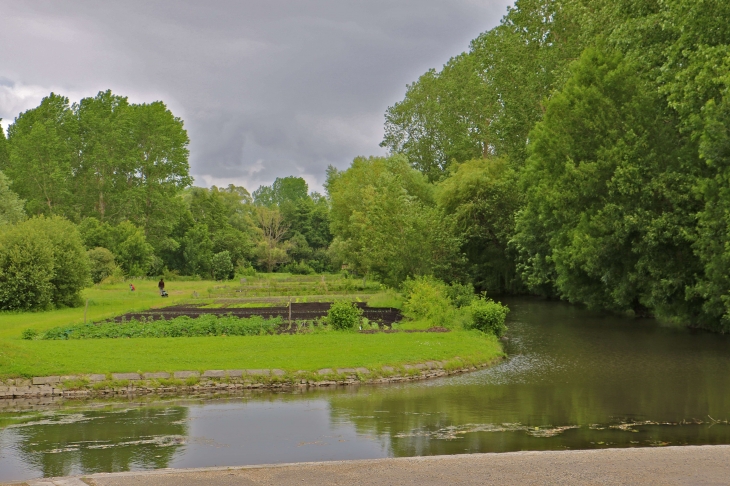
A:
(207, 325)
(488, 316)
(43, 263)
(343, 315)
(452, 306)
(102, 263)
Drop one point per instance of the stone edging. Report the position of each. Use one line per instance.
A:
(193, 382)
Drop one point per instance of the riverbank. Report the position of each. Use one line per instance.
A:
(696, 465)
(223, 381)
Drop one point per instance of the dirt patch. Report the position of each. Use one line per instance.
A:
(301, 314)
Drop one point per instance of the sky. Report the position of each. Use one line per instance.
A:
(266, 88)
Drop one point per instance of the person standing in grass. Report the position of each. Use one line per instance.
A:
(161, 286)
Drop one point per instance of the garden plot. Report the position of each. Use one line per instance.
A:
(300, 311)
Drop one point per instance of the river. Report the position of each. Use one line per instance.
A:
(574, 380)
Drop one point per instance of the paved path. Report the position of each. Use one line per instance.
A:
(700, 465)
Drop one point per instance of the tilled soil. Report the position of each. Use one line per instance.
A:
(308, 311)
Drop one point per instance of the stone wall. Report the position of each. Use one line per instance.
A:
(216, 381)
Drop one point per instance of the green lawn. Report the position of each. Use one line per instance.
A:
(307, 352)
(291, 353)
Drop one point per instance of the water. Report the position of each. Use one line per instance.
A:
(574, 380)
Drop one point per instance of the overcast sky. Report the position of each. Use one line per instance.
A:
(266, 88)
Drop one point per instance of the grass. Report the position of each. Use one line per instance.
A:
(307, 352)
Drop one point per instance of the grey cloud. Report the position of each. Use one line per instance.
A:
(266, 88)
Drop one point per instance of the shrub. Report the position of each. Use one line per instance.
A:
(343, 315)
(71, 263)
(183, 326)
(461, 295)
(488, 316)
(29, 334)
(298, 268)
(427, 299)
(27, 268)
(222, 266)
(101, 262)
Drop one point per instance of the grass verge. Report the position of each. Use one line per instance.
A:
(307, 352)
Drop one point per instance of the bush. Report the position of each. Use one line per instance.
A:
(29, 334)
(427, 299)
(298, 268)
(488, 316)
(208, 325)
(102, 263)
(27, 268)
(71, 263)
(222, 266)
(343, 315)
(461, 295)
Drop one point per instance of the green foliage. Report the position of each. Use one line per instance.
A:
(461, 295)
(298, 268)
(488, 316)
(27, 268)
(70, 262)
(42, 263)
(11, 206)
(385, 221)
(207, 325)
(101, 263)
(29, 334)
(343, 315)
(483, 197)
(222, 266)
(427, 299)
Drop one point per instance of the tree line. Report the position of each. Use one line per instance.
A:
(579, 150)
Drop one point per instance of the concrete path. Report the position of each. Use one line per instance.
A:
(700, 465)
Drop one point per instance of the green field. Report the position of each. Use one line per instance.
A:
(307, 352)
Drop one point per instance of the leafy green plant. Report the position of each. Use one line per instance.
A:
(29, 334)
(488, 316)
(222, 266)
(343, 315)
(183, 326)
(102, 263)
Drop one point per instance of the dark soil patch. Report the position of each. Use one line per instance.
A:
(300, 312)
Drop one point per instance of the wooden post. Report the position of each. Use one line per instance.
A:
(290, 311)
(85, 309)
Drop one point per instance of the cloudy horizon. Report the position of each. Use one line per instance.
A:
(266, 89)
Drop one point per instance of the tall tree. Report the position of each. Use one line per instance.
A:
(43, 152)
(11, 206)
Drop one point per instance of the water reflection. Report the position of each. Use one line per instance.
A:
(574, 380)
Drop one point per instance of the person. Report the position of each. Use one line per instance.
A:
(131, 287)
(161, 286)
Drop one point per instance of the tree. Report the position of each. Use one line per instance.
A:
(42, 262)
(222, 266)
(385, 221)
(43, 148)
(284, 190)
(272, 249)
(26, 269)
(609, 202)
(101, 262)
(483, 197)
(11, 206)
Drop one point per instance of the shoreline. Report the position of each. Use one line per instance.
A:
(221, 381)
(697, 465)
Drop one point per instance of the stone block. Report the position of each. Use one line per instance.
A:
(214, 374)
(69, 378)
(46, 380)
(388, 369)
(96, 378)
(346, 371)
(235, 373)
(325, 371)
(278, 372)
(126, 376)
(364, 371)
(160, 375)
(185, 374)
(257, 372)
(421, 366)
